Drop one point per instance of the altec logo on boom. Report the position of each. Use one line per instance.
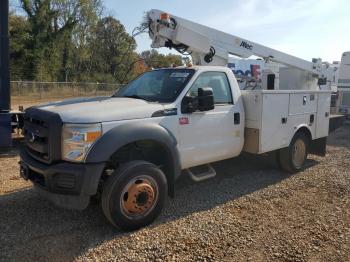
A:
(246, 45)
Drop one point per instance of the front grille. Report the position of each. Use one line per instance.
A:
(42, 131)
(36, 133)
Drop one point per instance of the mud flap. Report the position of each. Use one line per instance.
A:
(335, 121)
(318, 146)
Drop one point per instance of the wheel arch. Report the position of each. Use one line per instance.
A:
(317, 146)
(304, 129)
(121, 136)
(285, 155)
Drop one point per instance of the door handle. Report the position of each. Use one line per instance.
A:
(237, 118)
(312, 119)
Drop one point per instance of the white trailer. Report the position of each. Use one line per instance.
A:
(252, 74)
(343, 88)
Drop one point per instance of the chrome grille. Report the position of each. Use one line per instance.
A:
(42, 131)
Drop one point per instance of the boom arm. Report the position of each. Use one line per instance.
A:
(209, 46)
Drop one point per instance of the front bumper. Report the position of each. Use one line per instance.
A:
(68, 185)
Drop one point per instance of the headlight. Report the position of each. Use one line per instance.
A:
(77, 140)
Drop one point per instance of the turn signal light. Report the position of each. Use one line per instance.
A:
(92, 136)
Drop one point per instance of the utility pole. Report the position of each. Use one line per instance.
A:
(4, 57)
(5, 116)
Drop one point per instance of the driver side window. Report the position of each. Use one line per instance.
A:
(218, 82)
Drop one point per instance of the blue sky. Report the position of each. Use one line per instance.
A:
(304, 28)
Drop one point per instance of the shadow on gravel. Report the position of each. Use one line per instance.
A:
(11, 151)
(340, 136)
(33, 229)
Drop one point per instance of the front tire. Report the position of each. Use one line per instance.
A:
(292, 159)
(134, 195)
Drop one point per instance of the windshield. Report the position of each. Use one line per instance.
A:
(162, 85)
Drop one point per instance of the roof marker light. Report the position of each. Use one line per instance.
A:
(164, 16)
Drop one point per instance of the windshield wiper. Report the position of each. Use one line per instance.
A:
(148, 99)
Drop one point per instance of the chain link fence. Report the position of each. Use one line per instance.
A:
(28, 93)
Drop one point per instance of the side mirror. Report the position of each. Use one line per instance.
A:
(203, 102)
(189, 105)
(205, 99)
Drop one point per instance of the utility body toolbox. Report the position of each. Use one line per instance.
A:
(273, 116)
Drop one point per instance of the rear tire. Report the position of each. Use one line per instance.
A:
(292, 158)
(134, 195)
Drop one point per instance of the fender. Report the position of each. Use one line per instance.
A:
(127, 133)
(317, 146)
(297, 128)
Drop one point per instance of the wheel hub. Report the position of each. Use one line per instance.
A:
(299, 151)
(138, 198)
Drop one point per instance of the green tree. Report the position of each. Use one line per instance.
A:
(155, 60)
(74, 43)
(69, 40)
(113, 51)
(45, 32)
(19, 35)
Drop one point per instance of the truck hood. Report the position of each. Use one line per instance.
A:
(101, 109)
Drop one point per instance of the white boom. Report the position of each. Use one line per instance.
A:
(209, 46)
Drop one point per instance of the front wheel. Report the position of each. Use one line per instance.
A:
(292, 159)
(134, 195)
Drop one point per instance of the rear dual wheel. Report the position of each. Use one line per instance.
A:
(134, 195)
(292, 159)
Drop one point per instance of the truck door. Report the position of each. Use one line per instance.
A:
(211, 135)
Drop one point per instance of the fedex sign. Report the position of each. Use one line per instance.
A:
(246, 68)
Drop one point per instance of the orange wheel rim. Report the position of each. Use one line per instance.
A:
(139, 196)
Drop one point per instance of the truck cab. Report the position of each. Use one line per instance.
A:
(171, 119)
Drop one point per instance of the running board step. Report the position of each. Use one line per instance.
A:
(200, 173)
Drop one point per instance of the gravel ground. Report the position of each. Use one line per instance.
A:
(250, 212)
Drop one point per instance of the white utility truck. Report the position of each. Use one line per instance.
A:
(132, 147)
